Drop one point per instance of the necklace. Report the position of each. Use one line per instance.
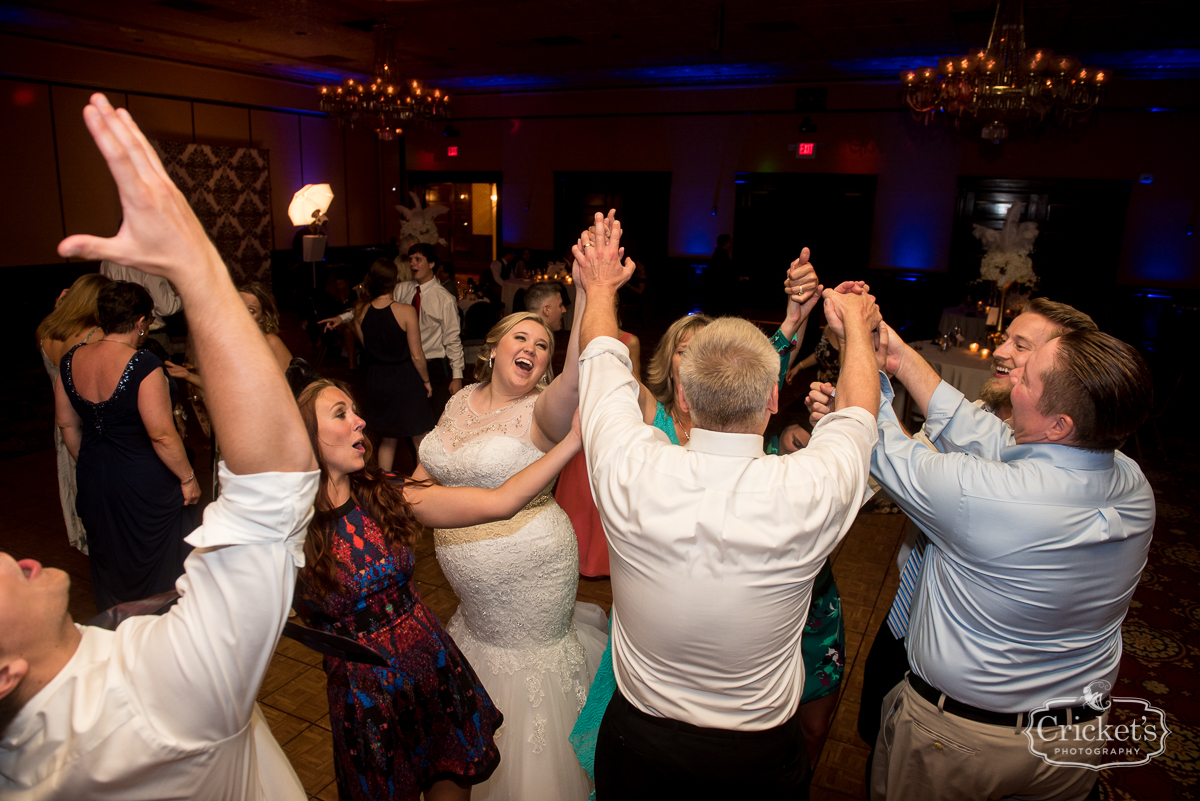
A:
(119, 342)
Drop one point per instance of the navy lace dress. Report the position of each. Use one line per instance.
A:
(130, 503)
(396, 730)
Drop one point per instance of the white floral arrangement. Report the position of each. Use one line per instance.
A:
(557, 271)
(419, 222)
(1007, 259)
(1007, 268)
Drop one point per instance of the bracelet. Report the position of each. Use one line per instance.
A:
(189, 479)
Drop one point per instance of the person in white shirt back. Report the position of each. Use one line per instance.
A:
(714, 546)
(164, 707)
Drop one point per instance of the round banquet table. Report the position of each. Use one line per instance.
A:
(958, 367)
(974, 329)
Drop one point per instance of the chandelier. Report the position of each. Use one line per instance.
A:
(384, 104)
(1004, 84)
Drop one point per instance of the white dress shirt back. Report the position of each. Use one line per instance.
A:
(713, 549)
(164, 707)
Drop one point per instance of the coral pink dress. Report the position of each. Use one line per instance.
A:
(574, 495)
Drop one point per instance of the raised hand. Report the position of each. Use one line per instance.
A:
(803, 290)
(838, 305)
(801, 278)
(819, 401)
(159, 233)
(598, 256)
(890, 350)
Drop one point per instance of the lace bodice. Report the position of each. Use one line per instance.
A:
(480, 450)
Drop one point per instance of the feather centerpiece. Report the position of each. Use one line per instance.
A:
(419, 223)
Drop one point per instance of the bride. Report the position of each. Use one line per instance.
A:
(535, 649)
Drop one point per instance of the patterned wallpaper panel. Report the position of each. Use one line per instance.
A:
(230, 190)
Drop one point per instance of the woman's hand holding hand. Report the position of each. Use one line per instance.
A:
(191, 491)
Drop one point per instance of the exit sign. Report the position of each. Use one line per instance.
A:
(452, 150)
(804, 150)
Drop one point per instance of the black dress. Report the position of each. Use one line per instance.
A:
(130, 502)
(391, 393)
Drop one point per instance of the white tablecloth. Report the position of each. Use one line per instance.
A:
(958, 367)
(973, 328)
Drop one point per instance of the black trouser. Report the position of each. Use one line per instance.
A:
(439, 378)
(886, 666)
(641, 756)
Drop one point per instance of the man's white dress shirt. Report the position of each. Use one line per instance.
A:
(438, 318)
(164, 707)
(713, 549)
(166, 302)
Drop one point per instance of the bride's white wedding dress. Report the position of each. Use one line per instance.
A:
(535, 649)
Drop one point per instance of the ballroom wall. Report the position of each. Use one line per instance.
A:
(55, 182)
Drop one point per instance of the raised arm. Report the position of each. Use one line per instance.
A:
(454, 507)
(556, 406)
(852, 317)
(205, 659)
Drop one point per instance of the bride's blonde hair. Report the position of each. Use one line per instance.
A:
(483, 366)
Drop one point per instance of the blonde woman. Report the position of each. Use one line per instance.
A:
(534, 647)
(73, 321)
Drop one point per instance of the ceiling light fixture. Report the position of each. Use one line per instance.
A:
(385, 103)
(1004, 84)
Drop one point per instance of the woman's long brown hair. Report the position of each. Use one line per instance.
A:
(380, 499)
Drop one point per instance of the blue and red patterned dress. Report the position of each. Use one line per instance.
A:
(396, 730)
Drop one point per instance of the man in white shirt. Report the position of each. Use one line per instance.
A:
(437, 312)
(714, 546)
(164, 707)
(545, 300)
(166, 300)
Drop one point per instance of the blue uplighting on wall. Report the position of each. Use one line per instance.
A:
(912, 249)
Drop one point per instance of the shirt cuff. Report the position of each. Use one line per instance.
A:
(780, 343)
(259, 509)
(602, 345)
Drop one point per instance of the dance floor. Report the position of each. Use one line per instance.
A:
(1161, 633)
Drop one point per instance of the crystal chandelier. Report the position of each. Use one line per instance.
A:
(383, 104)
(1004, 84)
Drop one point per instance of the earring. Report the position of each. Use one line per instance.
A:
(490, 360)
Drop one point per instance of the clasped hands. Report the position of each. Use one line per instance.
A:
(600, 263)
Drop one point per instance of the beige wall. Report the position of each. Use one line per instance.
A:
(704, 136)
(55, 182)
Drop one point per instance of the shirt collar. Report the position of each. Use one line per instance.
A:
(722, 443)
(1060, 456)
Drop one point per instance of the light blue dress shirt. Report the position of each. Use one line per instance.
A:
(1035, 551)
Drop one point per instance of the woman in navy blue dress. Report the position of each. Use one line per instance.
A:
(136, 488)
(424, 724)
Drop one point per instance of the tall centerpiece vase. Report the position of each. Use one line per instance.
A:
(997, 336)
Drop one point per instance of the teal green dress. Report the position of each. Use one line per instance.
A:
(822, 646)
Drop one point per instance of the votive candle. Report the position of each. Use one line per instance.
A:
(974, 347)
(984, 353)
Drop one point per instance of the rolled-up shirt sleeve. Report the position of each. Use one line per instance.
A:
(953, 424)
(205, 659)
(923, 483)
(608, 400)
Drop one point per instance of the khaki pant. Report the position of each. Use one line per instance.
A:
(927, 755)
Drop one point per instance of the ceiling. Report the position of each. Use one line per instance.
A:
(480, 46)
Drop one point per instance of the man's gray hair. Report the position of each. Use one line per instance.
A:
(727, 374)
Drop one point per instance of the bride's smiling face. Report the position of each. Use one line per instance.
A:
(522, 356)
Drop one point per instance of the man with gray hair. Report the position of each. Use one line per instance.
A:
(714, 546)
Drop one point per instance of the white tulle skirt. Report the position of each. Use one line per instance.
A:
(534, 647)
